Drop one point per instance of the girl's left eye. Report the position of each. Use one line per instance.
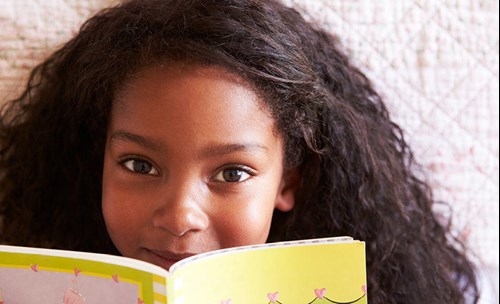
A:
(140, 166)
(233, 175)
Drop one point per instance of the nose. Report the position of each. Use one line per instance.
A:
(181, 210)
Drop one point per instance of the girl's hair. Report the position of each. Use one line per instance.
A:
(358, 173)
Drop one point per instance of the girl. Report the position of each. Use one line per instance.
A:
(168, 128)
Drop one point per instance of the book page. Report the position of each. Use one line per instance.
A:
(316, 272)
(32, 275)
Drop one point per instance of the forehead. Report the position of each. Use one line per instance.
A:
(201, 73)
(187, 78)
(190, 98)
(169, 70)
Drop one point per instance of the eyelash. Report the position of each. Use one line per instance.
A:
(245, 169)
(123, 162)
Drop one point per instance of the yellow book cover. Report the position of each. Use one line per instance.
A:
(329, 270)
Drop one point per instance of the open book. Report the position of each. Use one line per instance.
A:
(329, 270)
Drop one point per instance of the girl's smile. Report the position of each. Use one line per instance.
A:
(166, 259)
(193, 163)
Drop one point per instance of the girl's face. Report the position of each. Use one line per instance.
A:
(193, 163)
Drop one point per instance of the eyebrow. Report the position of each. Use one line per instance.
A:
(208, 152)
(223, 149)
(143, 141)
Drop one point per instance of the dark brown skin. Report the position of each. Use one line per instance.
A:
(193, 163)
(358, 175)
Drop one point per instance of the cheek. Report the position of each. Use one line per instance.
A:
(120, 219)
(123, 212)
(247, 223)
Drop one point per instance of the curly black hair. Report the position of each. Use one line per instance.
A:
(359, 177)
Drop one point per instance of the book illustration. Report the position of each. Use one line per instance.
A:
(322, 298)
(306, 273)
(38, 276)
(320, 294)
(34, 267)
(72, 296)
(273, 297)
(320, 271)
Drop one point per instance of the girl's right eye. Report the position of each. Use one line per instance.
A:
(140, 166)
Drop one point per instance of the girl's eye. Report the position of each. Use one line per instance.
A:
(140, 166)
(233, 175)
